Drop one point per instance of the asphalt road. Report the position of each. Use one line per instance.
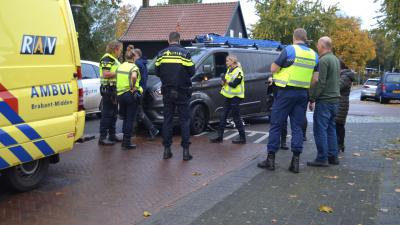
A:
(360, 111)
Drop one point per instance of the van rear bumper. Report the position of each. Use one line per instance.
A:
(79, 124)
(391, 96)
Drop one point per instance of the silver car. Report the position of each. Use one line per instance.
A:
(369, 89)
(91, 86)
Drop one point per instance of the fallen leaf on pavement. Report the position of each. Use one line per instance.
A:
(196, 174)
(292, 196)
(388, 158)
(326, 209)
(384, 210)
(356, 154)
(397, 190)
(273, 221)
(59, 193)
(351, 184)
(362, 190)
(146, 214)
(332, 177)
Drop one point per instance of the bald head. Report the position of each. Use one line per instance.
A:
(325, 42)
(300, 35)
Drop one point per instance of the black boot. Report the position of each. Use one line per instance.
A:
(115, 138)
(167, 153)
(153, 132)
(240, 140)
(333, 160)
(283, 143)
(341, 148)
(186, 155)
(127, 145)
(269, 163)
(104, 141)
(219, 138)
(294, 164)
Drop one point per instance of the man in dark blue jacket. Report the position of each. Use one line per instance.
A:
(141, 62)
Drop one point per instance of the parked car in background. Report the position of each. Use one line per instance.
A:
(207, 102)
(388, 88)
(91, 86)
(369, 89)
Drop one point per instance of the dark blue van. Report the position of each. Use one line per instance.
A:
(388, 88)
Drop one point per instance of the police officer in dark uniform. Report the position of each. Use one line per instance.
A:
(175, 67)
(109, 110)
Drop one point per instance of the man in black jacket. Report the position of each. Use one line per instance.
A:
(175, 67)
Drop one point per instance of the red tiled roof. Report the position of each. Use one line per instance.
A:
(156, 22)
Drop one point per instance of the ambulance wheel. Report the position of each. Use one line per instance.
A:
(27, 176)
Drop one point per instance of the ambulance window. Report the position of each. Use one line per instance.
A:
(88, 71)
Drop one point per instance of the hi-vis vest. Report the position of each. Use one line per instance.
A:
(229, 91)
(112, 65)
(299, 74)
(124, 81)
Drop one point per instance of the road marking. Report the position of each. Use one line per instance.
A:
(201, 134)
(265, 136)
(231, 136)
(252, 133)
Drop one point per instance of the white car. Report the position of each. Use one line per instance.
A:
(369, 89)
(91, 86)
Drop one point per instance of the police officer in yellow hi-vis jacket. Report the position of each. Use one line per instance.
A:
(233, 91)
(109, 108)
(129, 92)
(292, 72)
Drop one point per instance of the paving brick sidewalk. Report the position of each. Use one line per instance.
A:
(95, 185)
(361, 190)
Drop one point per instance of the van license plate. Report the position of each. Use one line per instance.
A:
(396, 91)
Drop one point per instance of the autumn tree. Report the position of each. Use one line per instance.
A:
(351, 44)
(124, 18)
(279, 18)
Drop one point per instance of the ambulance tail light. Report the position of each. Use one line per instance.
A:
(78, 75)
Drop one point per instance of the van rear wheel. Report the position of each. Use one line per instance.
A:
(27, 176)
(198, 120)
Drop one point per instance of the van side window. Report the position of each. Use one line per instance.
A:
(220, 63)
(88, 72)
(209, 62)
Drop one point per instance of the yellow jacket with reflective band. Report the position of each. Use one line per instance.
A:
(299, 74)
(112, 65)
(229, 91)
(124, 78)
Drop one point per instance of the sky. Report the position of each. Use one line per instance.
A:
(366, 10)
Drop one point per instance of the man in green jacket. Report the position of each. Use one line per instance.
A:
(324, 97)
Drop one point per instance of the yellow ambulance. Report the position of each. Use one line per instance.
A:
(41, 100)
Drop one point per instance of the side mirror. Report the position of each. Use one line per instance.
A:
(207, 69)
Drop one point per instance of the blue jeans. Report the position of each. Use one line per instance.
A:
(292, 103)
(325, 130)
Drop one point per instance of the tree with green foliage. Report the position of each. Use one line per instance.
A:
(279, 18)
(170, 2)
(390, 21)
(384, 50)
(98, 22)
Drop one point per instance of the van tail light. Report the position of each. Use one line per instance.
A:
(383, 88)
(366, 86)
(78, 75)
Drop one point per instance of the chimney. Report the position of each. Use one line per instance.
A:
(145, 3)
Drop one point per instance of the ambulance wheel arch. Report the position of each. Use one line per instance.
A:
(27, 176)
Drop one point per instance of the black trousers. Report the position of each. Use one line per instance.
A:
(108, 119)
(231, 105)
(127, 109)
(340, 133)
(173, 100)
